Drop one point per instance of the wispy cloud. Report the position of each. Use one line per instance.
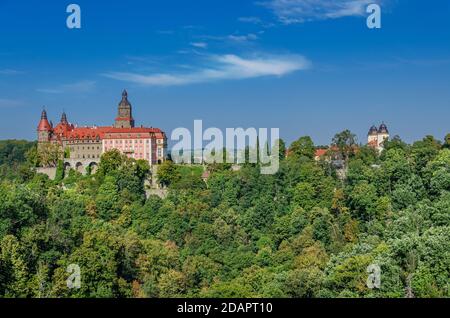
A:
(201, 45)
(235, 38)
(300, 11)
(252, 20)
(77, 87)
(243, 38)
(425, 61)
(49, 90)
(10, 72)
(256, 21)
(221, 67)
(165, 32)
(6, 103)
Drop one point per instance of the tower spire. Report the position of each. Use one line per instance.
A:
(44, 113)
(64, 118)
(125, 116)
(44, 125)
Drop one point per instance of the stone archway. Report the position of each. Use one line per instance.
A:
(93, 167)
(67, 166)
(82, 166)
(79, 167)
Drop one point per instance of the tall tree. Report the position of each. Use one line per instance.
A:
(345, 143)
(447, 142)
(303, 147)
(281, 148)
(111, 161)
(425, 150)
(50, 154)
(168, 173)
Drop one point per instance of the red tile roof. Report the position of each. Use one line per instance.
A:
(136, 130)
(44, 125)
(86, 133)
(321, 152)
(62, 129)
(373, 143)
(70, 132)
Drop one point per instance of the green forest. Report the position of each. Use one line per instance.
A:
(305, 232)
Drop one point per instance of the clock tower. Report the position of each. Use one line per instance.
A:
(124, 117)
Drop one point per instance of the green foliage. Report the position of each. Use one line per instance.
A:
(447, 142)
(59, 171)
(395, 143)
(110, 162)
(168, 173)
(17, 157)
(14, 151)
(345, 143)
(281, 145)
(303, 147)
(107, 200)
(302, 232)
(424, 151)
(49, 154)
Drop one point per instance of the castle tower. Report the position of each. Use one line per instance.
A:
(124, 117)
(372, 137)
(64, 119)
(383, 135)
(44, 129)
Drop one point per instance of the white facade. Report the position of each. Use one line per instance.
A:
(377, 136)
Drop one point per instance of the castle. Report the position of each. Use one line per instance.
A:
(377, 136)
(375, 139)
(85, 145)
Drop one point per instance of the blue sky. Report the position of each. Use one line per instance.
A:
(309, 67)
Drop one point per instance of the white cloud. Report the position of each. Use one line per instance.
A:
(49, 90)
(77, 87)
(6, 103)
(165, 32)
(201, 45)
(10, 72)
(82, 86)
(252, 20)
(243, 38)
(233, 38)
(256, 21)
(221, 67)
(300, 11)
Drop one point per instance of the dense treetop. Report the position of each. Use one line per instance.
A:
(303, 232)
